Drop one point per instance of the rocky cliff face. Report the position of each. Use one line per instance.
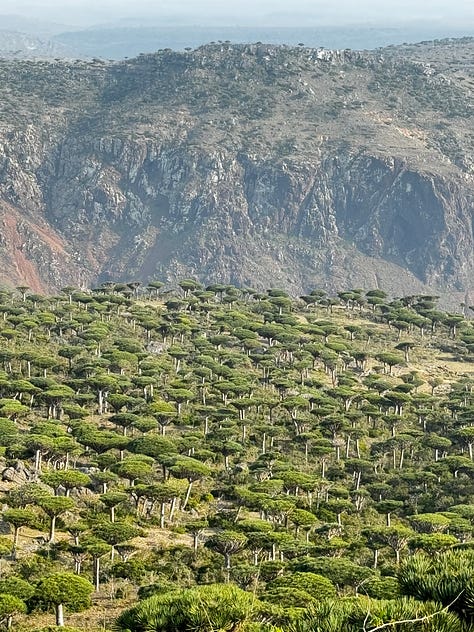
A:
(258, 165)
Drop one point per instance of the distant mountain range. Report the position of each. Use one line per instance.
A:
(15, 45)
(28, 38)
(121, 42)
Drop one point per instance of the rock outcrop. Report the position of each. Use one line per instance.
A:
(17, 474)
(254, 165)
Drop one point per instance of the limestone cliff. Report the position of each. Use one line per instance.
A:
(256, 165)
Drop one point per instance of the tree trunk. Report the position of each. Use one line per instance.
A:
(59, 615)
(96, 573)
(16, 537)
(37, 460)
(172, 508)
(52, 529)
(188, 494)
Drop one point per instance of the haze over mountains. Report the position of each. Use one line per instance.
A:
(125, 41)
(16, 45)
(116, 32)
(247, 12)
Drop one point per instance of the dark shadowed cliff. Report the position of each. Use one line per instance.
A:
(255, 165)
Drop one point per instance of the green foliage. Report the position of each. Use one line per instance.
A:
(116, 532)
(17, 587)
(365, 614)
(64, 588)
(446, 578)
(298, 468)
(19, 517)
(339, 571)
(10, 605)
(207, 608)
(381, 587)
(133, 570)
(299, 590)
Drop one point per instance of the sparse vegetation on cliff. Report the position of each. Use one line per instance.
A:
(242, 163)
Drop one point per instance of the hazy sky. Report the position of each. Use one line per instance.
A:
(247, 12)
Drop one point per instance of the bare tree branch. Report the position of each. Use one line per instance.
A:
(418, 620)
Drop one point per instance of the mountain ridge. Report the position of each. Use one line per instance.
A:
(244, 163)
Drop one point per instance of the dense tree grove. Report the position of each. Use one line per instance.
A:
(215, 458)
